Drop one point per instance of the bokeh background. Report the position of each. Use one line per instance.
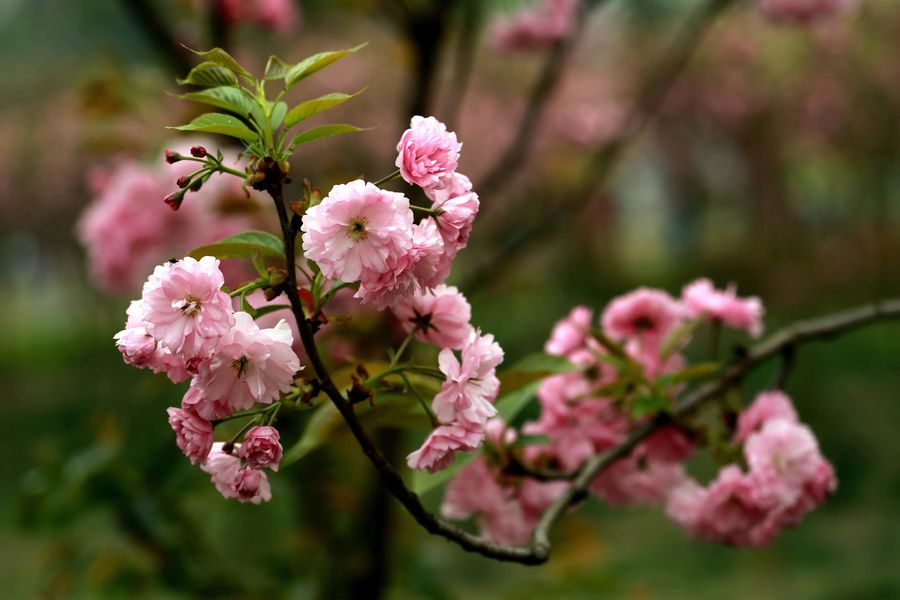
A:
(773, 163)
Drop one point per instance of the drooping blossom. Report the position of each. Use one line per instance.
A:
(570, 333)
(457, 207)
(187, 311)
(440, 448)
(772, 404)
(427, 153)
(252, 486)
(536, 27)
(440, 316)
(644, 314)
(471, 384)
(223, 468)
(804, 11)
(702, 299)
(782, 457)
(358, 232)
(250, 365)
(261, 448)
(193, 434)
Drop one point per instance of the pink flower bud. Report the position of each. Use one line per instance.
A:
(172, 157)
(175, 199)
(183, 181)
(194, 435)
(252, 486)
(261, 448)
(198, 151)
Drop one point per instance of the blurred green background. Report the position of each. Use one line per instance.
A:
(774, 163)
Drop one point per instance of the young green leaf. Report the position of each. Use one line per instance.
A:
(278, 112)
(220, 123)
(315, 63)
(275, 68)
(242, 245)
(209, 74)
(509, 405)
(222, 58)
(323, 131)
(310, 108)
(235, 99)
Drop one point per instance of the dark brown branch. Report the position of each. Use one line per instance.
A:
(649, 99)
(466, 46)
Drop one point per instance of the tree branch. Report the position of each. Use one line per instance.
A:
(466, 45)
(649, 99)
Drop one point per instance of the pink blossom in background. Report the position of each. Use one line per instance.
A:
(428, 153)
(773, 404)
(440, 448)
(250, 365)
(536, 27)
(570, 333)
(645, 314)
(187, 311)
(194, 435)
(804, 11)
(654, 363)
(442, 314)
(280, 16)
(261, 448)
(471, 386)
(785, 455)
(252, 486)
(358, 232)
(223, 469)
(637, 481)
(702, 299)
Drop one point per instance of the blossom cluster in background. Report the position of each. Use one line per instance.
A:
(593, 408)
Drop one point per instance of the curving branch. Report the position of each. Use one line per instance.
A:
(650, 98)
(519, 148)
(539, 550)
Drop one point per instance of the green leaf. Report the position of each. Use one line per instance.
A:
(235, 99)
(510, 404)
(270, 308)
(325, 420)
(278, 112)
(275, 68)
(678, 337)
(209, 74)
(315, 63)
(323, 131)
(220, 123)
(247, 307)
(242, 245)
(310, 108)
(424, 482)
(647, 404)
(690, 373)
(222, 58)
(545, 363)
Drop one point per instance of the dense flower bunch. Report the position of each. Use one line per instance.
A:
(535, 27)
(627, 370)
(281, 16)
(185, 325)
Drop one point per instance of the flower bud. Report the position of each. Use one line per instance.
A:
(173, 157)
(262, 448)
(175, 199)
(183, 181)
(198, 151)
(198, 183)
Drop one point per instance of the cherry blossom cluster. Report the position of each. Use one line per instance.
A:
(281, 16)
(185, 325)
(536, 27)
(628, 369)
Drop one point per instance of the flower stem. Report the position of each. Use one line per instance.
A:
(388, 178)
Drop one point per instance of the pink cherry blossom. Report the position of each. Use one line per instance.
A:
(359, 232)
(471, 385)
(702, 299)
(645, 314)
(804, 11)
(536, 27)
(440, 448)
(773, 404)
(250, 365)
(193, 434)
(223, 468)
(141, 350)
(570, 333)
(187, 312)
(441, 316)
(261, 448)
(458, 206)
(637, 481)
(427, 153)
(280, 16)
(252, 486)
(783, 456)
